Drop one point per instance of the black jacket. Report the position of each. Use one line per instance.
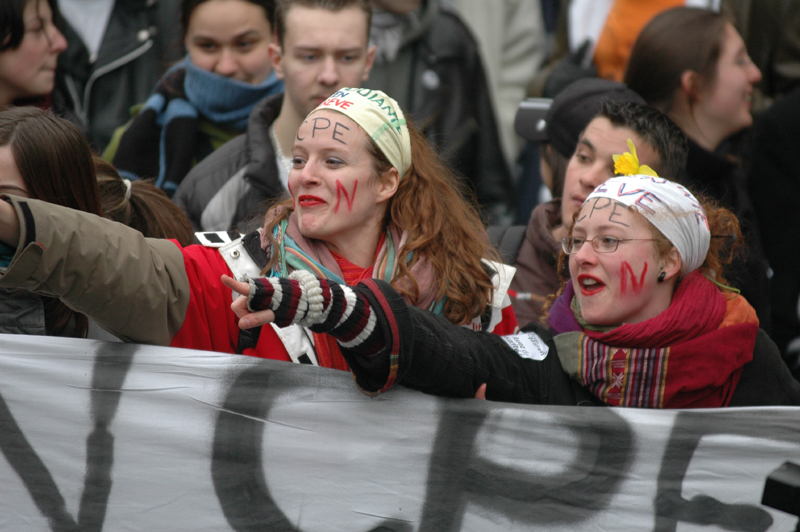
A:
(232, 186)
(724, 181)
(440, 358)
(774, 185)
(140, 39)
(439, 82)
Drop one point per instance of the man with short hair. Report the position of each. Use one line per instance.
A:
(659, 144)
(322, 45)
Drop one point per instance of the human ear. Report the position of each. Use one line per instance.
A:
(369, 62)
(276, 58)
(387, 184)
(690, 84)
(672, 264)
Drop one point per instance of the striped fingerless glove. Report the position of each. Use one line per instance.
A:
(322, 306)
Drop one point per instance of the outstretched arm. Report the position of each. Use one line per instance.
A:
(415, 347)
(135, 287)
(9, 225)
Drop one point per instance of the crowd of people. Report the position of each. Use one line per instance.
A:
(316, 181)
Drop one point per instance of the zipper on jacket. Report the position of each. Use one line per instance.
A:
(76, 99)
(105, 69)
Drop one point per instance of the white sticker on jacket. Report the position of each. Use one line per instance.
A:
(527, 345)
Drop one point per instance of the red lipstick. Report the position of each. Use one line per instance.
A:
(592, 287)
(310, 201)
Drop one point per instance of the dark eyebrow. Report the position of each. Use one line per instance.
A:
(587, 143)
(246, 33)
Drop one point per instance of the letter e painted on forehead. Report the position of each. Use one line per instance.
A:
(337, 131)
(315, 127)
(618, 210)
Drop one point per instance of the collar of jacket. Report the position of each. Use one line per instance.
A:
(261, 153)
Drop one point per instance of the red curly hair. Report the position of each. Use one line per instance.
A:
(431, 205)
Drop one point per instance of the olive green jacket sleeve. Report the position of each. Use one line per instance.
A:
(134, 287)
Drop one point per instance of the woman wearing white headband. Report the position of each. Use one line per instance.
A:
(369, 199)
(644, 320)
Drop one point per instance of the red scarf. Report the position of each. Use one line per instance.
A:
(689, 356)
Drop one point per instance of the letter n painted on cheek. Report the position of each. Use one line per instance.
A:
(636, 284)
(347, 197)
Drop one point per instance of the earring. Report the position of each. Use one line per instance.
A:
(661, 277)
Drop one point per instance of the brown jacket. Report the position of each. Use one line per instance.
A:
(93, 264)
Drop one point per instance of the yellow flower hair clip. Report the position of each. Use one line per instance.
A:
(628, 163)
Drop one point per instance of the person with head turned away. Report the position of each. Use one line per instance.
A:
(47, 158)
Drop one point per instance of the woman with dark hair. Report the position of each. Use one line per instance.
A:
(141, 205)
(206, 99)
(370, 199)
(29, 47)
(47, 158)
(692, 65)
(644, 320)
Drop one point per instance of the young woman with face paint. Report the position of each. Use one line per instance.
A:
(370, 199)
(645, 319)
(206, 99)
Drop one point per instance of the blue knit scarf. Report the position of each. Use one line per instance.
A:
(184, 95)
(222, 100)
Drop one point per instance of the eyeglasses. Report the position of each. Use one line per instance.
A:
(601, 244)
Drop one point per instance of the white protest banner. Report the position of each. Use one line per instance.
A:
(100, 436)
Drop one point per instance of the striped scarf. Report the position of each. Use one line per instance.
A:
(300, 253)
(689, 356)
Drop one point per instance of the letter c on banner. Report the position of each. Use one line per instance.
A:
(237, 470)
